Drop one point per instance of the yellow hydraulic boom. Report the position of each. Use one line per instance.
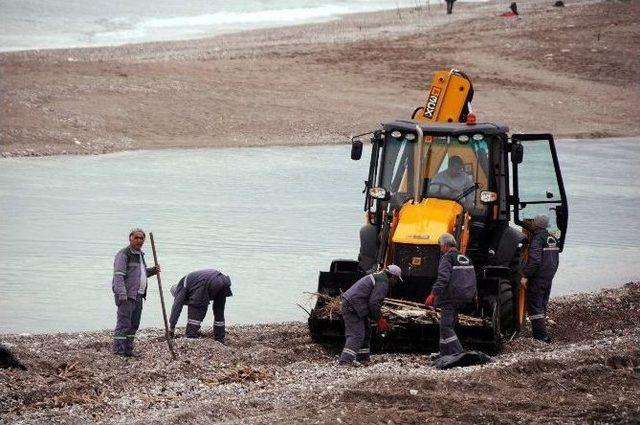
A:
(448, 98)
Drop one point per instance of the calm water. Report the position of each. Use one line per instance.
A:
(47, 24)
(269, 217)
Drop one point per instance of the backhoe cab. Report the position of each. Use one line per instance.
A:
(471, 180)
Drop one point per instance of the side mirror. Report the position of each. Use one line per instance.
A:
(517, 152)
(356, 149)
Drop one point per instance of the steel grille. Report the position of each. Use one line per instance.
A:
(417, 260)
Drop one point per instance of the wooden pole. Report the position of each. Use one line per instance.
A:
(164, 310)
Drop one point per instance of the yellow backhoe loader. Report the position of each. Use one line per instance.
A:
(442, 172)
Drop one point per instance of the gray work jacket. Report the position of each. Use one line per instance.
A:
(367, 294)
(544, 256)
(456, 282)
(126, 273)
(198, 289)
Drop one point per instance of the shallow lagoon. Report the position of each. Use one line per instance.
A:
(269, 217)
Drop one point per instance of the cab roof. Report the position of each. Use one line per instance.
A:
(446, 128)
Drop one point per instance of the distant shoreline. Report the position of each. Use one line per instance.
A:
(321, 83)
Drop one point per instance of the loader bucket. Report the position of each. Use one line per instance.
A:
(326, 325)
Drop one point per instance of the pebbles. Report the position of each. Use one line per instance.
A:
(273, 373)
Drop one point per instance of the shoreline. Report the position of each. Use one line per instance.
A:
(160, 330)
(274, 373)
(320, 83)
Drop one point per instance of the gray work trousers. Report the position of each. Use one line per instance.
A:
(197, 313)
(449, 342)
(218, 317)
(127, 324)
(195, 316)
(538, 291)
(450, 6)
(357, 332)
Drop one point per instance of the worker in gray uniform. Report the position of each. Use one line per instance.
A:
(455, 286)
(539, 270)
(361, 302)
(196, 290)
(129, 286)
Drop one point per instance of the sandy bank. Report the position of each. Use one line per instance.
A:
(273, 373)
(572, 71)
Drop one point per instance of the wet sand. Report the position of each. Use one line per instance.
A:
(572, 71)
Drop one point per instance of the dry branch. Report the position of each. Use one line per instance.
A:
(398, 312)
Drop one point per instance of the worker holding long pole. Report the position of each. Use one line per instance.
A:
(130, 273)
(164, 311)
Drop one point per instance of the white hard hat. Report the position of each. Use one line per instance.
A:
(395, 270)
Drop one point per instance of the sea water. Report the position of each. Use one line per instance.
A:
(48, 24)
(271, 218)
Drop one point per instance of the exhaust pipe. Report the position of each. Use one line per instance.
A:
(417, 167)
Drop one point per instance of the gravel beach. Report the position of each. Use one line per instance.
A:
(273, 373)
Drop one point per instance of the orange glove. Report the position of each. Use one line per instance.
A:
(430, 300)
(383, 325)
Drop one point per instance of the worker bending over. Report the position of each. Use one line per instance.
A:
(361, 302)
(196, 290)
(455, 286)
(542, 264)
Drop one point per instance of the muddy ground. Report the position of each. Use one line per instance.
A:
(273, 373)
(573, 71)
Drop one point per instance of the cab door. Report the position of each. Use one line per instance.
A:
(537, 183)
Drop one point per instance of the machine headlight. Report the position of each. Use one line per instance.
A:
(487, 196)
(463, 138)
(478, 137)
(410, 137)
(378, 193)
(396, 134)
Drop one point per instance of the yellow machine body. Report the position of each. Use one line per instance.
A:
(423, 223)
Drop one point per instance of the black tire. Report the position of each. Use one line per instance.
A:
(506, 306)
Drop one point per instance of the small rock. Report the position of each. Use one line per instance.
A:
(413, 392)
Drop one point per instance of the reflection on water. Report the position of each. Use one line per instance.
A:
(270, 217)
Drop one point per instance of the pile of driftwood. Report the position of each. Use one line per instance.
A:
(397, 312)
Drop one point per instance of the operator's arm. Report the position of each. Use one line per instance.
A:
(378, 294)
(535, 257)
(444, 275)
(119, 273)
(178, 302)
(468, 200)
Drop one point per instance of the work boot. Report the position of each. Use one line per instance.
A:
(353, 363)
(434, 356)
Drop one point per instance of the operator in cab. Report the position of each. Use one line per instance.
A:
(361, 302)
(452, 182)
